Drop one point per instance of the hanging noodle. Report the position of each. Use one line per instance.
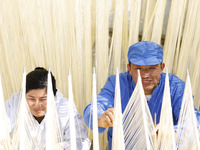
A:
(175, 23)
(87, 55)
(188, 135)
(137, 121)
(134, 21)
(166, 134)
(150, 4)
(196, 79)
(189, 43)
(118, 134)
(71, 119)
(102, 32)
(158, 21)
(53, 137)
(125, 35)
(5, 140)
(117, 33)
(95, 120)
(25, 132)
(101, 50)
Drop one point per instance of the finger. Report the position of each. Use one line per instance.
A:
(111, 113)
(108, 120)
(111, 116)
(104, 121)
(157, 127)
(111, 110)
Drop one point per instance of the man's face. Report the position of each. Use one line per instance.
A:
(37, 102)
(150, 76)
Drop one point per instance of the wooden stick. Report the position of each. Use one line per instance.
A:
(155, 119)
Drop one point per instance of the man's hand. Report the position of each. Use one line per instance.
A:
(106, 120)
(157, 129)
(154, 133)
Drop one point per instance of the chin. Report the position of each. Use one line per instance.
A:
(38, 115)
(148, 90)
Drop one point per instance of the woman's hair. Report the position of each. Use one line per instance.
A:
(37, 79)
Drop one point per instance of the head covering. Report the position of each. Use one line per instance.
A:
(145, 53)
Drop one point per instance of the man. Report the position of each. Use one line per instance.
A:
(148, 58)
(36, 97)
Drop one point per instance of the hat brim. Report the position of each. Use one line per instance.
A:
(146, 62)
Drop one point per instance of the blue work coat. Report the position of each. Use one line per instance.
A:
(105, 99)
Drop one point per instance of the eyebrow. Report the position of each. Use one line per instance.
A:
(30, 96)
(43, 97)
(34, 97)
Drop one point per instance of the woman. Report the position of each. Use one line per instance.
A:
(36, 97)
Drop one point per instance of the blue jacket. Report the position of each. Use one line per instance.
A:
(105, 98)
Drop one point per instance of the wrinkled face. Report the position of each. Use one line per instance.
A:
(150, 75)
(37, 102)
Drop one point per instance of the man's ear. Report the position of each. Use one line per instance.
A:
(162, 66)
(129, 67)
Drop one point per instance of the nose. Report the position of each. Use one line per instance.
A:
(37, 103)
(144, 73)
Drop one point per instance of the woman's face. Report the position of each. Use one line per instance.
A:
(37, 102)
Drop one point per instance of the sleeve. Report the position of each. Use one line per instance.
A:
(8, 106)
(105, 100)
(197, 113)
(82, 140)
(11, 106)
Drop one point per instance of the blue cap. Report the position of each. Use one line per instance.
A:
(145, 53)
